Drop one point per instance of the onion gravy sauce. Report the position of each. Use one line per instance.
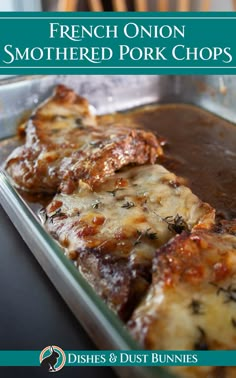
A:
(200, 147)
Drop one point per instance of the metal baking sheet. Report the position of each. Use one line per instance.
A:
(19, 95)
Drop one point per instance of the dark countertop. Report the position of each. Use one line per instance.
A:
(32, 313)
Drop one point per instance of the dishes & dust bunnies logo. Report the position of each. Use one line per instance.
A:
(52, 358)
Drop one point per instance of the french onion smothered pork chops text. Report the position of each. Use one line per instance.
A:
(113, 231)
(64, 144)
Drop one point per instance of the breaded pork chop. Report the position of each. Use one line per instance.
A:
(112, 232)
(64, 144)
(191, 303)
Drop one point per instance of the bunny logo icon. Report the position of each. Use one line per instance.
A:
(52, 358)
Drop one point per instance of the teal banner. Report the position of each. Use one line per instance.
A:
(118, 358)
(118, 43)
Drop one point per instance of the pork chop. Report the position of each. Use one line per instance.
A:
(64, 144)
(112, 232)
(191, 304)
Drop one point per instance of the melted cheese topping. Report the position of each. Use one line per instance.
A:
(129, 210)
(192, 301)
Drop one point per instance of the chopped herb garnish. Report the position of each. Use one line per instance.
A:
(128, 205)
(150, 235)
(57, 212)
(138, 240)
(96, 204)
(176, 224)
(230, 292)
(147, 233)
(201, 343)
(113, 192)
(233, 321)
(196, 307)
(79, 123)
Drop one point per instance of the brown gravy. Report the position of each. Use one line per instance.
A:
(201, 147)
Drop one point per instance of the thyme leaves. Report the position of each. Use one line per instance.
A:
(128, 205)
(201, 343)
(96, 204)
(233, 321)
(229, 292)
(196, 307)
(145, 234)
(138, 240)
(150, 235)
(79, 123)
(113, 192)
(176, 224)
(57, 213)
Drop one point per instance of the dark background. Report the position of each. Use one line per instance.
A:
(32, 313)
